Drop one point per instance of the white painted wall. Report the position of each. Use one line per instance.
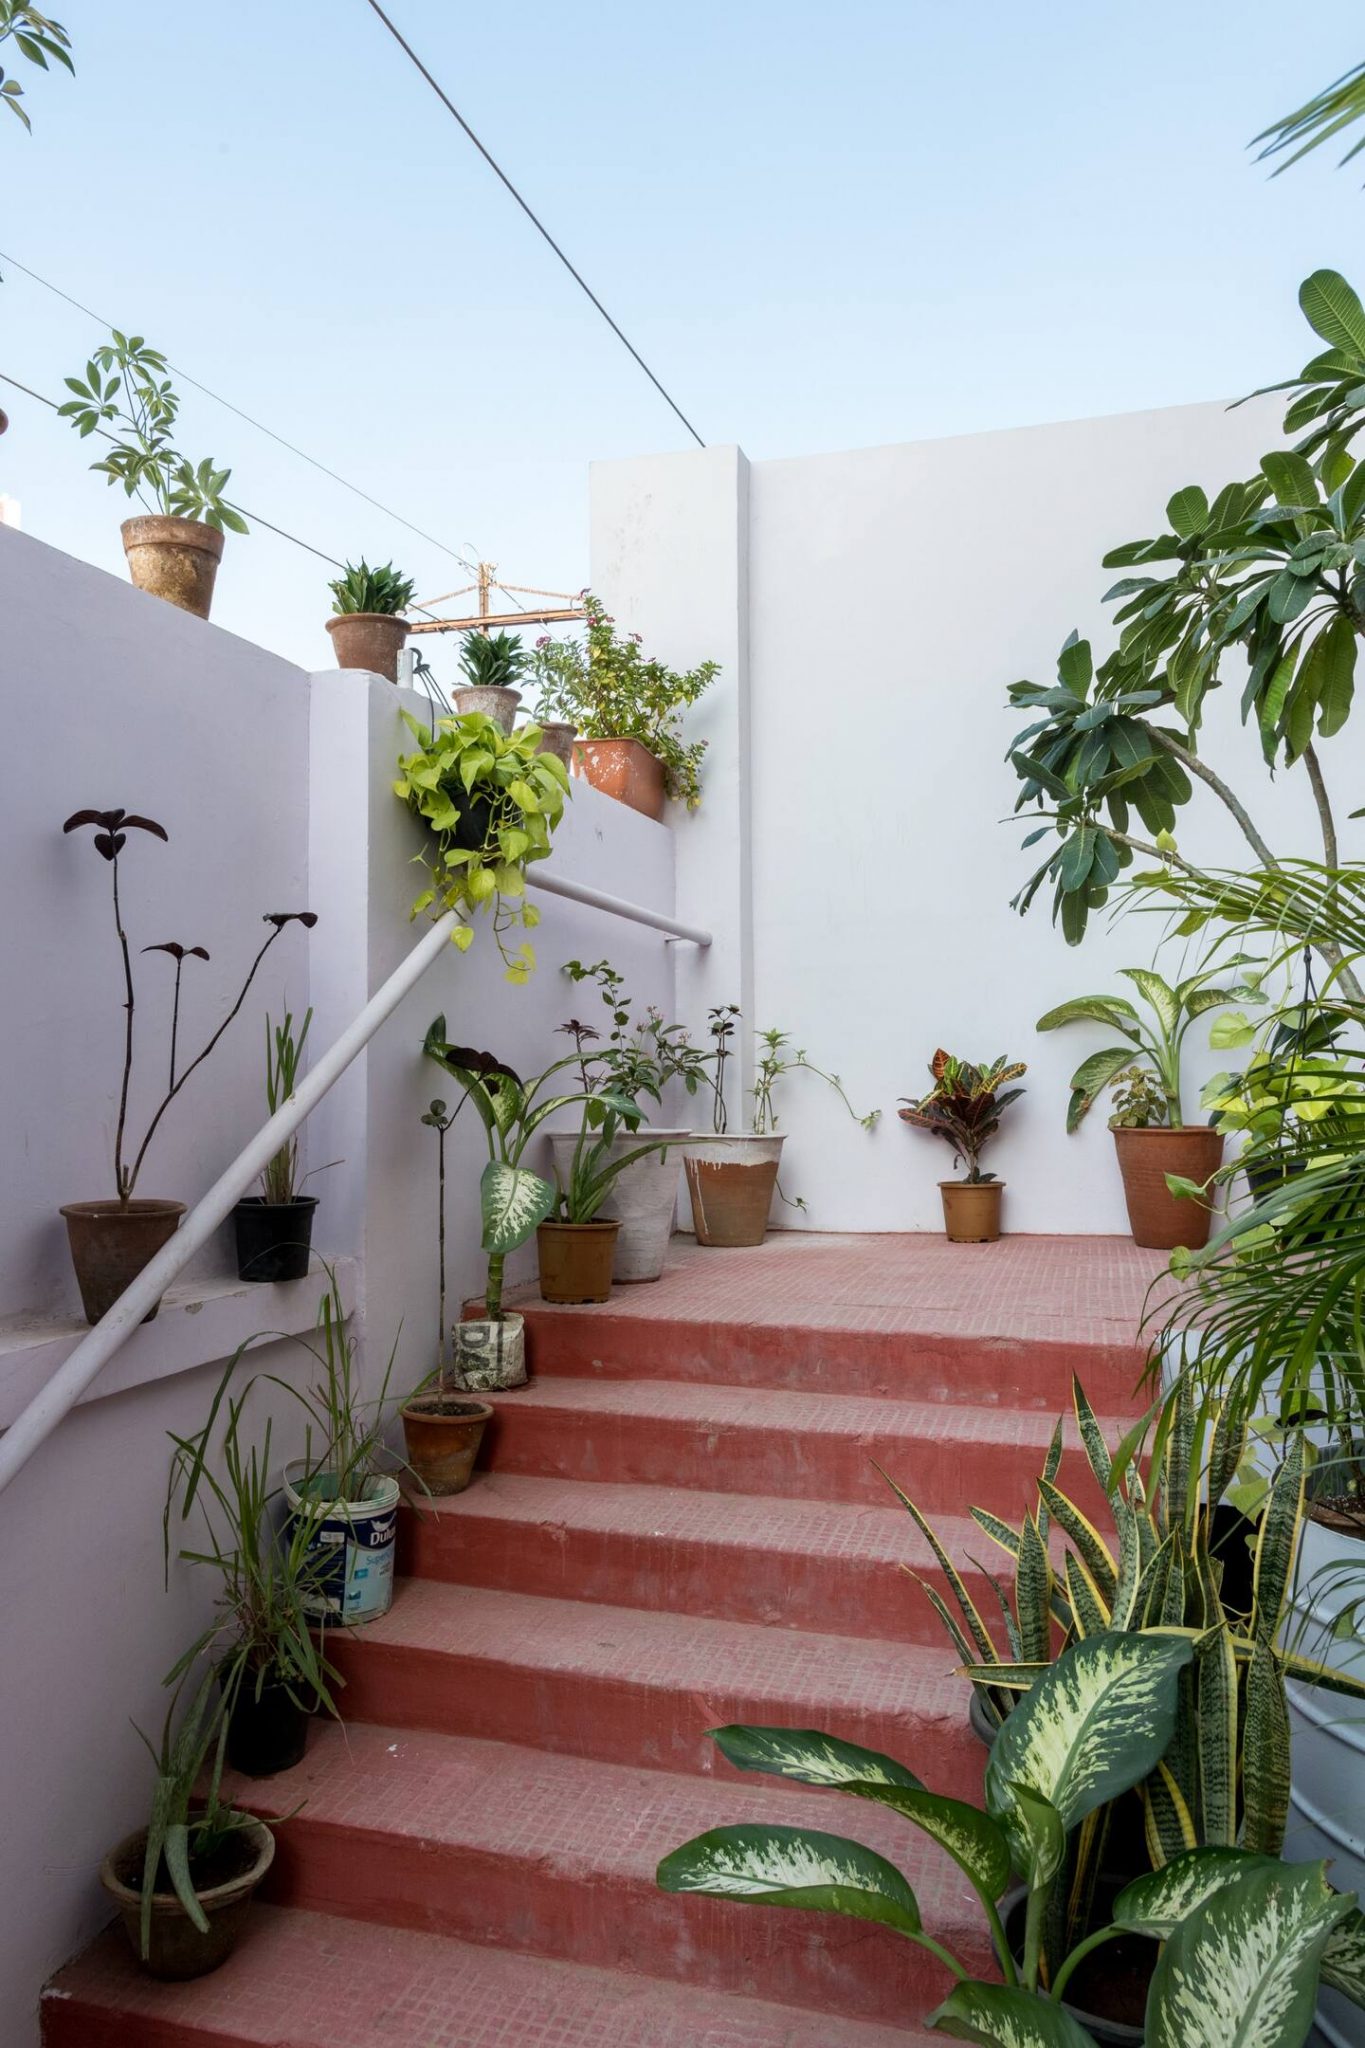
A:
(893, 595)
(275, 788)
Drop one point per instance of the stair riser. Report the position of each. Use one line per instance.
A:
(615, 1920)
(998, 1372)
(724, 1580)
(73, 2023)
(942, 1473)
(612, 1721)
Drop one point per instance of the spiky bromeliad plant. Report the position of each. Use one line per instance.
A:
(1223, 1779)
(490, 803)
(1246, 1937)
(964, 1106)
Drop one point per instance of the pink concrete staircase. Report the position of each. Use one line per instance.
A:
(682, 1526)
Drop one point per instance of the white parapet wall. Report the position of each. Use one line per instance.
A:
(275, 789)
(871, 609)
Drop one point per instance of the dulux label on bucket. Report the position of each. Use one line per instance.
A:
(353, 1549)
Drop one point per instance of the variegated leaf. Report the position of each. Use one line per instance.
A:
(1343, 1959)
(799, 1867)
(998, 1531)
(1090, 1544)
(1005, 2016)
(1033, 1592)
(1242, 1970)
(1092, 1436)
(980, 1634)
(810, 1757)
(1039, 1837)
(1277, 1539)
(514, 1201)
(1089, 1614)
(1051, 1467)
(1130, 1564)
(1157, 1903)
(1169, 1823)
(1265, 1755)
(1093, 1726)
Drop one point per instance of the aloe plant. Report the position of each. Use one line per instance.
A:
(1246, 1937)
(493, 661)
(382, 589)
(185, 1827)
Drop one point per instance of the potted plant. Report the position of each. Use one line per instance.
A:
(1154, 1143)
(274, 1230)
(733, 1175)
(628, 707)
(492, 664)
(963, 1108)
(184, 1883)
(112, 1240)
(367, 627)
(638, 1057)
(175, 547)
(489, 803)
(272, 1672)
(1246, 1937)
(443, 1429)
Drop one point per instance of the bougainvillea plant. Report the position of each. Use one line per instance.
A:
(964, 1105)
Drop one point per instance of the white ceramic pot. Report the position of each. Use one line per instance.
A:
(730, 1183)
(643, 1198)
(1327, 1787)
(489, 1357)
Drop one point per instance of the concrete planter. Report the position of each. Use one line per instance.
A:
(1327, 1787)
(489, 1356)
(369, 640)
(730, 1183)
(557, 736)
(643, 1199)
(174, 559)
(498, 704)
(177, 1950)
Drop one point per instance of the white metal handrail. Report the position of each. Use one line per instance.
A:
(598, 899)
(56, 1399)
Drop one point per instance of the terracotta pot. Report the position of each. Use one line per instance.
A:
(557, 739)
(371, 640)
(971, 1210)
(575, 1260)
(1156, 1217)
(111, 1242)
(624, 769)
(176, 559)
(643, 1199)
(178, 1950)
(498, 704)
(443, 1433)
(489, 1356)
(730, 1183)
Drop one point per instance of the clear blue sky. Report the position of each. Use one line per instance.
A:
(824, 227)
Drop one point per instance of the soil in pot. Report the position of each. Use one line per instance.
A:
(626, 770)
(971, 1210)
(274, 1239)
(372, 640)
(174, 559)
(265, 1734)
(111, 1242)
(576, 1260)
(443, 1432)
(1157, 1218)
(730, 1184)
(224, 1884)
(1107, 1995)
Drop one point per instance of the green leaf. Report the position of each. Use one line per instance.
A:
(1038, 1834)
(514, 1201)
(1091, 1077)
(1188, 511)
(799, 1867)
(1329, 673)
(1265, 1755)
(810, 1757)
(1159, 994)
(1291, 477)
(1332, 310)
(1112, 1011)
(1343, 1959)
(1242, 1970)
(1093, 1727)
(1007, 2016)
(1156, 1904)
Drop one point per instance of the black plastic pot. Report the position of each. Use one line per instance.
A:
(1266, 1173)
(471, 828)
(274, 1239)
(982, 1726)
(1129, 1951)
(268, 1734)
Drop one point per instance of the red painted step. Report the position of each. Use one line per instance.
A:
(760, 1440)
(794, 1564)
(626, 1686)
(550, 1855)
(308, 1980)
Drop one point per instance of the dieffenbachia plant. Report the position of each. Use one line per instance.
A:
(1246, 1939)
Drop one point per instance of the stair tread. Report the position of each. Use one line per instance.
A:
(315, 1981)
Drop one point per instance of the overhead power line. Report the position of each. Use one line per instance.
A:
(533, 217)
(259, 425)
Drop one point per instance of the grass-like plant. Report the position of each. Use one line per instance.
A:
(126, 387)
(363, 589)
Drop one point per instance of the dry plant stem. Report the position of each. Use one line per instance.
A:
(123, 1179)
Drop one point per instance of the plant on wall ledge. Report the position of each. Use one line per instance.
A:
(614, 694)
(490, 802)
(964, 1108)
(367, 627)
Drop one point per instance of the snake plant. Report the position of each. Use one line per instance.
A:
(1247, 1938)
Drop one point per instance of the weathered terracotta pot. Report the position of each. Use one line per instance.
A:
(498, 704)
(556, 737)
(176, 559)
(730, 1183)
(111, 1242)
(624, 769)
(575, 1260)
(371, 640)
(1156, 1217)
(443, 1432)
(971, 1210)
(177, 1949)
